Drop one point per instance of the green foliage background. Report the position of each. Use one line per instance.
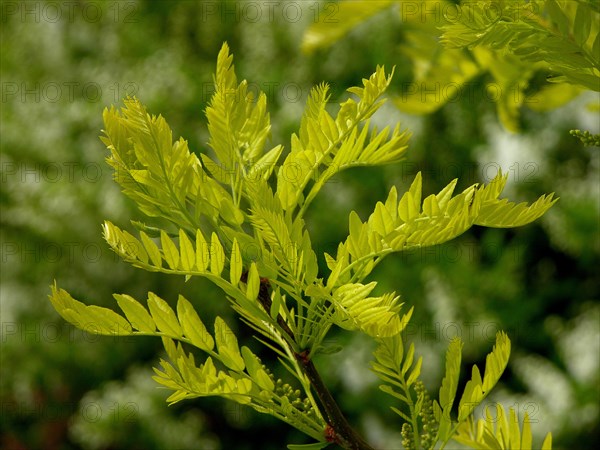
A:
(64, 389)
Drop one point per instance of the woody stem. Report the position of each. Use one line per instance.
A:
(340, 431)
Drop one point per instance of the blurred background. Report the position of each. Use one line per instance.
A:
(63, 62)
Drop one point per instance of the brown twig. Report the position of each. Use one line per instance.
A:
(338, 430)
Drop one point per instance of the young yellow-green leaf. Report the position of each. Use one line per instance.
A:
(202, 252)
(582, 25)
(450, 381)
(415, 372)
(431, 206)
(498, 418)
(136, 313)
(382, 220)
(265, 165)
(93, 319)
(188, 257)
(476, 376)
(444, 196)
(133, 247)
(410, 203)
(251, 361)
(409, 359)
(106, 321)
(170, 251)
(230, 212)
(163, 316)
(255, 370)
(275, 305)
(334, 24)
(62, 300)
(152, 249)
(227, 345)
(547, 444)
(253, 283)
(514, 432)
(217, 255)
(477, 389)
(526, 437)
(73, 317)
(558, 16)
(505, 214)
(595, 51)
(496, 361)
(192, 326)
(235, 263)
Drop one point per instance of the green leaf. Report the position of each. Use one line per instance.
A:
(410, 204)
(133, 247)
(253, 283)
(227, 345)
(514, 433)
(315, 446)
(547, 444)
(329, 349)
(135, 313)
(265, 165)
(450, 381)
(408, 360)
(505, 214)
(106, 321)
(255, 370)
(277, 301)
(217, 255)
(192, 326)
(497, 431)
(92, 319)
(582, 25)
(152, 249)
(188, 257)
(397, 227)
(477, 389)
(440, 75)
(415, 372)
(235, 263)
(332, 21)
(170, 252)
(376, 316)
(238, 125)
(163, 316)
(596, 44)
(159, 174)
(202, 252)
(336, 144)
(449, 386)
(558, 16)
